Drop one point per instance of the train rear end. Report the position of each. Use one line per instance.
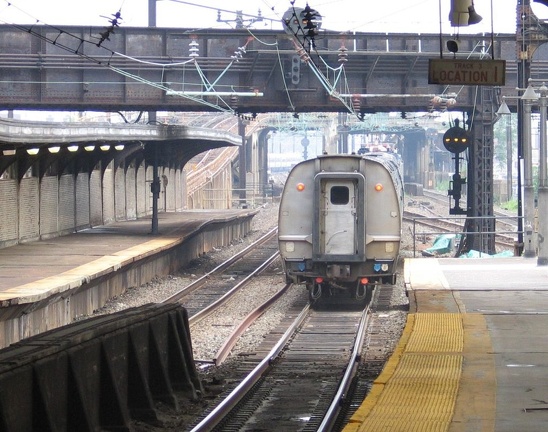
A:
(340, 226)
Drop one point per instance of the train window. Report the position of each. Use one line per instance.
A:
(339, 195)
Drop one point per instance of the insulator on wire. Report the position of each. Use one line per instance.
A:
(440, 103)
(194, 50)
(238, 54)
(343, 54)
(303, 54)
(234, 101)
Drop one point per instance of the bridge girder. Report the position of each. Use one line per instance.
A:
(150, 69)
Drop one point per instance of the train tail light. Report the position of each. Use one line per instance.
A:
(364, 281)
(318, 280)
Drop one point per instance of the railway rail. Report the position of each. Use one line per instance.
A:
(505, 218)
(231, 340)
(302, 380)
(445, 225)
(214, 288)
(433, 223)
(317, 380)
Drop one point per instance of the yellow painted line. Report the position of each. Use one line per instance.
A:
(424, 273)
(417, 390)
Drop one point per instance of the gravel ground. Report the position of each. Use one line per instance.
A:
(161, 288)
(209, 334)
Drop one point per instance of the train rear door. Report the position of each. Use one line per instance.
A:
(338, 227)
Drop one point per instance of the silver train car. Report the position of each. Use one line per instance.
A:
(340, 223)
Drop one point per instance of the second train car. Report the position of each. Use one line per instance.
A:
(340, 223)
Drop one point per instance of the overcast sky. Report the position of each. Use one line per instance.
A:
(418, 16)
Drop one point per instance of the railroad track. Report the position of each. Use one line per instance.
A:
(506, 219)
(214, 288)
(439, 224)
(313, 371)
(300, 382)
(312, 377)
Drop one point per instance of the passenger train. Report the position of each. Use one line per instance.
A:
(340, 223)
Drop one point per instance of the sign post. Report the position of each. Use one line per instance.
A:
(467, 72)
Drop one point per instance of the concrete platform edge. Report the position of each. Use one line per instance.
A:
(30, 309)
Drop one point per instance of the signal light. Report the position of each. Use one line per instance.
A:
(379, 187)
(463, 13)
(300, 187)
(295, 69)
(318, 280)
(455, 139)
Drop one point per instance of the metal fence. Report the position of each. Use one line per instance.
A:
(429, 223)
(252, 196)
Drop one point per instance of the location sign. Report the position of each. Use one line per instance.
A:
(467, 72)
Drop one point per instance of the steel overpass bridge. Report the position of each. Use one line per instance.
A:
(167, 69)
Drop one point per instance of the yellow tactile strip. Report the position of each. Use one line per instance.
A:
(417, 389)
(436, 332)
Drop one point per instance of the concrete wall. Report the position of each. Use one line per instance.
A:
(35, 208)
(100, 374)
(41, 207)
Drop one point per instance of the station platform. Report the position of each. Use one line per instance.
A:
(473, 355)
(47, 284)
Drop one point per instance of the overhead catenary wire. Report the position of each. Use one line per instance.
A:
(76, 49)
(284, 79)
(280, 63)
(324, 81)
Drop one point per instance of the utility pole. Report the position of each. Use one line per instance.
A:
(155, 185)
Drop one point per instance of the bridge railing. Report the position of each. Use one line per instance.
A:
(213, 172)
(252, 196)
